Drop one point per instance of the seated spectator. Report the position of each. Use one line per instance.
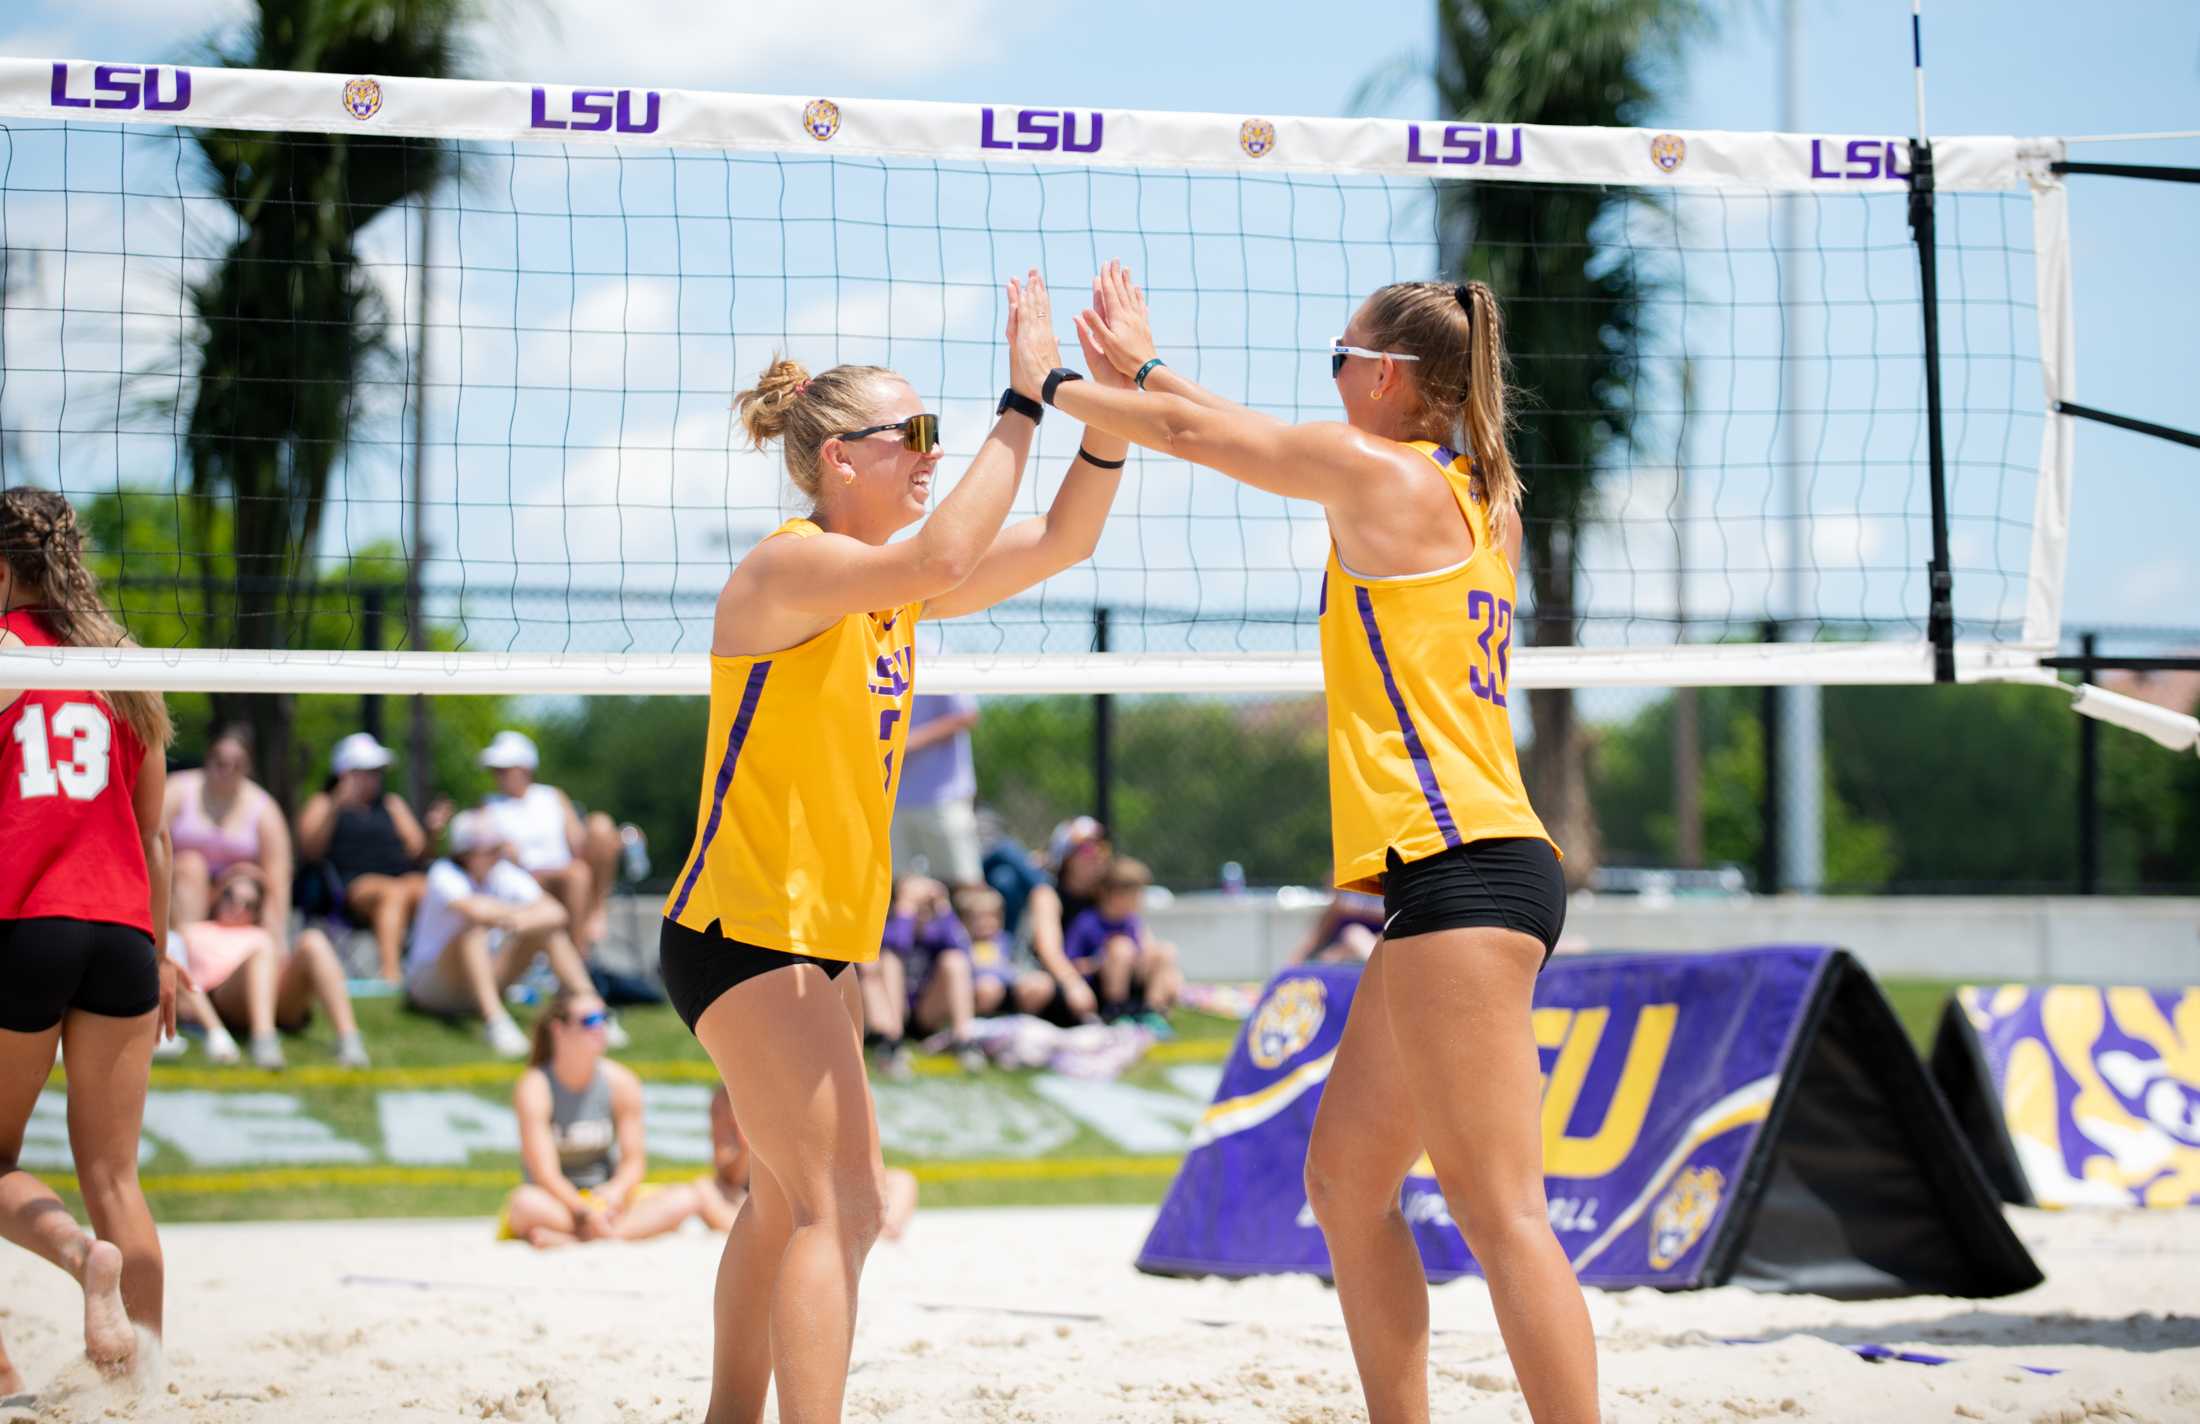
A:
(997, 985)
(883, 984)
(935, 829)
(218, 817)
(576, 860)
(934, 950)
(726, 1189)
(1012, 873)
(482, 921)
(249, 982)
(1079, 855)
(1110, 945)
(580, 1140)
(1346, 933)
(370, 843)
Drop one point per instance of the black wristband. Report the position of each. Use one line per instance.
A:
(1021, 404)
(1096, 462)
(1055, 378)
(1146, 370)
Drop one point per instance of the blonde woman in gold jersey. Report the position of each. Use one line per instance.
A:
(812, 667)
(1426, 807)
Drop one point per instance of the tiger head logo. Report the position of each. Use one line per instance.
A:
(362, 99)
(1684, 1213)
(1287, 1022)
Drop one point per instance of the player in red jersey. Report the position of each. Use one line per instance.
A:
(83, 902)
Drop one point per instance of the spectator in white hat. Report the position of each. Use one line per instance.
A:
(575, 859)
(481, 924)
(369, 838)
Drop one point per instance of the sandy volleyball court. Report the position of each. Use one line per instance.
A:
(1030, 1314)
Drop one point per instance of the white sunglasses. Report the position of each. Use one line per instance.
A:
(1338, 351)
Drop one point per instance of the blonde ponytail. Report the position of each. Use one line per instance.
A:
(1488, 415)
(1456, 335)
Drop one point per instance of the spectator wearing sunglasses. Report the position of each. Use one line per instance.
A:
(248, 983)
(581, 1141)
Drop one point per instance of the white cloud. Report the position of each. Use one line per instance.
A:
(771, 46)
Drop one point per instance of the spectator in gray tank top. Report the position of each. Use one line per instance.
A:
(580, 1141)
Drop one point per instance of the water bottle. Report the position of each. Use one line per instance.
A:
(1233, 878)
(633, 854)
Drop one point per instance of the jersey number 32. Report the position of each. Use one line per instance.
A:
(87, 733)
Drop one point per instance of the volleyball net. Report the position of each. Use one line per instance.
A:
(405, 385)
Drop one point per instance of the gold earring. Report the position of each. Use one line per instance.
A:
(1375, 395)
(850, 477)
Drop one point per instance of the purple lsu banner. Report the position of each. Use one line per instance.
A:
(1659, 1072)
(2098, 1089)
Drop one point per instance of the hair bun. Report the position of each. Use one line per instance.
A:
(1464, 295)
(763, 407)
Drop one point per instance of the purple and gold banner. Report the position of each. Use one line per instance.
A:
(2098, 1089)
(1660, 1072)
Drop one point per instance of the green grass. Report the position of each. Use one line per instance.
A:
(411, 1050)
(1917, 1003)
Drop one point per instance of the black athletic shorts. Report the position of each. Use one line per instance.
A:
(699, 965)
(50, 966)
(1509, 884)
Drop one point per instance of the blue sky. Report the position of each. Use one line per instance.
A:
(2015, 66)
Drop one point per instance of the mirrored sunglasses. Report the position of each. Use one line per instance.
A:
(920, 433)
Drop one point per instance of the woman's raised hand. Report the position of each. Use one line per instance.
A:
(1032, 349)
(1116, 324)
(1096, 359)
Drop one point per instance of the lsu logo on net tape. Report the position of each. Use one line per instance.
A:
(1668, 152)
(363, 99)
(1257, 137)
(821, 119)
(1287, 1022)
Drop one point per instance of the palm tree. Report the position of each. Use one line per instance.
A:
(1573, 314)
(290, 324)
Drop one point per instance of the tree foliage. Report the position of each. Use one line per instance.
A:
(135, 539)
(293, 334)
(1927, 789)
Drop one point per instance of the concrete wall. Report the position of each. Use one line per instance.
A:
(1973, 938)
(1976, 938)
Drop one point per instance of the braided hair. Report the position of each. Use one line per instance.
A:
(43, 546)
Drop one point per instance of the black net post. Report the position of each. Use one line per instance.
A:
(2089, 790)
(1103, 733)
(1940, 623)
(370, 629)
(1771, 806)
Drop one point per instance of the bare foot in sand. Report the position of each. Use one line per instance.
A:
(109, 1342)
(12, 1381)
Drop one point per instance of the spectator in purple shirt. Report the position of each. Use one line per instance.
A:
(935, 815)
(1111, 947)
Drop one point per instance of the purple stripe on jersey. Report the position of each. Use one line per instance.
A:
(735, 736)
(1443, 455)
(1323, 607)
(1437, 806)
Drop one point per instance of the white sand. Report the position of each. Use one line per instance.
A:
(331, 1322)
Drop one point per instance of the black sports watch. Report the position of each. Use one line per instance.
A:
(1055, 378)
(1023, 405)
